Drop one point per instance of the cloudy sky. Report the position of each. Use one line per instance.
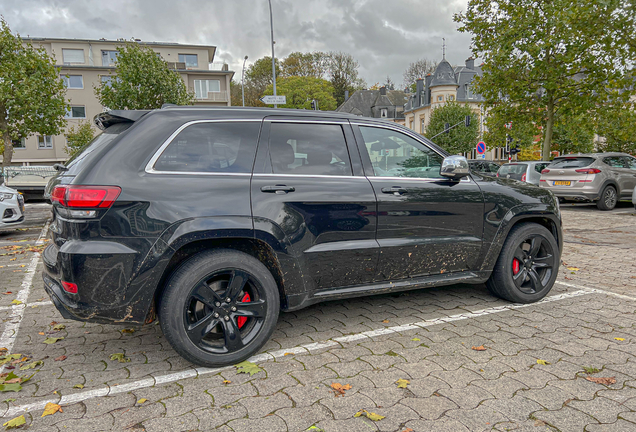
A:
(384, 36)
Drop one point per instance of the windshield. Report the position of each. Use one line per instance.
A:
(571, 162)
(513, 169)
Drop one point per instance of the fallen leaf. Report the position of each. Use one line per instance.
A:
(226, 382)
(78, 386)
(602, 380)
(619, 339)
(416, 339)
(543, 362)
(247, 367)
(14, 423)
(119, 357)
(61, 358)
(408, 430)
(41, 333)
(8, 292)
(53, 323)
(369, 415)
(385, 321)
(142, 400)
(573, 268)
(10, 387)
(538, 423)
(16, 302)
(340, 389)
(479, 348)
(51, 409)
(14, 381)
(286, 354)
(402, 383)
(128, 331)
(59, 327)
(32, 365)
(52, 340)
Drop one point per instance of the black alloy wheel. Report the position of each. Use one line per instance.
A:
(533, 262)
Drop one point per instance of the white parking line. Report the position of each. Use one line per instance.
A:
(17, 311)
(596, 290)
(26, 305)
(303, 349)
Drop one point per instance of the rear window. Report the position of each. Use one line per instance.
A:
(571, 162)
(513, 169)
(75, 162)
(541, 166)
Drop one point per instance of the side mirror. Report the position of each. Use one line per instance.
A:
(455, 167)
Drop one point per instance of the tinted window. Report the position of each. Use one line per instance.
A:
(394, 154)
(493, 167)
(76, 160)
(311, 149)
(540, 167)
(614, 162)
(214, 147)
(513, 169)
(571, 162)
(630, 162)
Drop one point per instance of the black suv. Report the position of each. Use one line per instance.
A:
(216, 219)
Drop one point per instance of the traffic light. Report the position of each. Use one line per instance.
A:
(314, 104)
(446, 127)
(467, 121)
(515, 150)
(508, 142)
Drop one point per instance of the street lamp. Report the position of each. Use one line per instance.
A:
(243, 80)
(271, 22)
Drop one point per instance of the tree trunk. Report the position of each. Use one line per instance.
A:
(8, 150)
(547, 137)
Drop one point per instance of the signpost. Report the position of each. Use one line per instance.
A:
(274, 100)
(481, 150)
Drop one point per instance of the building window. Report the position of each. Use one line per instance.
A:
(411, 124)
(73, 81)
(73, 56)
(45, 141)
(76, 112)
(423, 125)
(469, 91)
(106, 80)
(383, 113)
(440, 98)
(109, 58)
(451, 97)
(190, 60)
(203, 87)
(19, 144)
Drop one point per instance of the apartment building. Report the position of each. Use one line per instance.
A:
(83, 64)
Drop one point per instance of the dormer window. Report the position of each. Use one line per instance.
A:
(383, 113)
(469, 91)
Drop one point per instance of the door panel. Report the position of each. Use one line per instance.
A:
(327, 214)
(628, 176)
(426, 224)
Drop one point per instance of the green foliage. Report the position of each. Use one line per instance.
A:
(617, 126)
(247, 367)
(301, 90)
(143, 81)
(523, 131)
(461, 138)
(574, 135)
(314, 64)
(32, 94)
(343, 74)
(547, 59)
(77, 137)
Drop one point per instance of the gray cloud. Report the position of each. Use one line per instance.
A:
(384, 36)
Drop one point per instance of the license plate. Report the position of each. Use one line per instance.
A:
(562, 183)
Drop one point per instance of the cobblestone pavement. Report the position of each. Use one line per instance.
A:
(585, 329)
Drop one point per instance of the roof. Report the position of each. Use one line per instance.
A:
(258, 111)
(444, 75)
(362, 102)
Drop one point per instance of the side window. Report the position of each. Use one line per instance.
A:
(394, 154)
(310, 149)
(215, 147)
(613, 161)
(629, 162)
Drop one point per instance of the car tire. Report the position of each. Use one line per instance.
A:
(608, 199)
(531, 278)
(219, 308)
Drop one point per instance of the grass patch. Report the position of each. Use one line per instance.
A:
(591, 370)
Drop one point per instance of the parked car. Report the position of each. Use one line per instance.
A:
(634, 198)
(11, 207)
(484, 167)
(529, 172)
(29, 180)
(216, 219)
(603, 178)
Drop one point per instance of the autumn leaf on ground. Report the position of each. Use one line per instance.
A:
(619, 339)
(386, 321)
(78, 386)
(602, 380)
(479, 348)
(119, 357)
(52, 340)
(369, 415)
(10, 387)
(8, 292)
(51, 409)
(543, 362)
(416, 339)
(247, 367)
(286, 354)
(142, 400)
(408, 430)
(226, 382)
(9, 357)
(61, 358)
(32, 365)
(340, 389)
(41, 333)
(402, 383)
(128, 331)
(16, 302)
(573, 268)
(14, 423)
(59, 327)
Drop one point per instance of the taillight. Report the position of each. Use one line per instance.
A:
(588, 170)
(86, 197)
(523, 177)
(497, 174)
(545, 171)
(69, 287)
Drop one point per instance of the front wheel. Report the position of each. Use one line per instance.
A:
(527, 266)
(219, 308)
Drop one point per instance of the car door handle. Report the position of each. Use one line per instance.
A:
(395, 190)
(279, 189)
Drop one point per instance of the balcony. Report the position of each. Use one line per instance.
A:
(222, 96)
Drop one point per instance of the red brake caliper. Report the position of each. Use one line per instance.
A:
(516, 266)
(242, 320)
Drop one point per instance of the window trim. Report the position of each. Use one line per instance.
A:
(23, 142)
(108, 51)
(185, 62)
(150, 166)
(68, 76)
(73, 49)
(70, 111)
(44, 140)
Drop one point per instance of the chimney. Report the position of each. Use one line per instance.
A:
(429, 78)
(383, 91)
(470, 63)
(419, 90)
(346, 95)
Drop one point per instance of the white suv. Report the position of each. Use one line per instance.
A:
(11, 207)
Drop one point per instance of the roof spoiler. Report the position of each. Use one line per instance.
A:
(109, 118)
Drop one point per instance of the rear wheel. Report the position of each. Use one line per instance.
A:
(219, 308)
(609, 198)
(527, 266)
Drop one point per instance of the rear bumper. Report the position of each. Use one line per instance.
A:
(574, 194)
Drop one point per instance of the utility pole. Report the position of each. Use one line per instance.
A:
(271, 22)
(243, 80)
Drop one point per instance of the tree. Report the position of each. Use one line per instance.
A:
(389, 84)
(460, 139)
(315, 64)
(142, 81)
(32, 94)
(415, 70)
(573, 135)
(551, 58)
(343, 74)
(617, 128)
(503, 121)
(78, 137)
(300, 91)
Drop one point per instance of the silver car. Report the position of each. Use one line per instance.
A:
(603, 178)
(634, 198)
(11, 207)
(529, 171)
